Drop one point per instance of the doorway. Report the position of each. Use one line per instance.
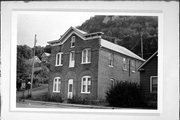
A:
(70, 89)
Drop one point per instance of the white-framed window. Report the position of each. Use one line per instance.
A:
(57, 84)
(59, 59)
(153, 84)
(86, 56)
(112, 82)
(73, 38)
(124, 64)
(111, 60)
(85, 84)
(71, 59)
(133, 65)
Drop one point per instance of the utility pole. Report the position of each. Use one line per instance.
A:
(33, 65)
(141, 45)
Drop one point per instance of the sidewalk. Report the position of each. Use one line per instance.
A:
(43, 104)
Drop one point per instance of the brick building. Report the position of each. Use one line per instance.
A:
(45, 57)
(85, 65)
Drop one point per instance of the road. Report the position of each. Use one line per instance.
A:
(41, 104)
(35, 92)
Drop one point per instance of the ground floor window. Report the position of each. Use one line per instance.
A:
(56, 84)
(153, 84)
(85, 84)
(112, 82)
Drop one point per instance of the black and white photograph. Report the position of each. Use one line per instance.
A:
(85, 60)
(89, 60)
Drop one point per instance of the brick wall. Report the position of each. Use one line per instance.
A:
(79, 70)
(105, 73)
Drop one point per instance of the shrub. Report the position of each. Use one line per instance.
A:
(49, 98)
(151, 100)
(78, 100)
(86, 101)
(150, 97)
(124, 94)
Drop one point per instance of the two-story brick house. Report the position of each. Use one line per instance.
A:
(85, 65)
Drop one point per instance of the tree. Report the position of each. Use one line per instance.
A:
(47, 49)
(38, 51)
(44, 73)
(23, 53)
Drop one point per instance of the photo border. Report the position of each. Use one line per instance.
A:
(157, 112)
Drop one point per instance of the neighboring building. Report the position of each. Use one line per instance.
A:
(149, 77)
(45, 57)
(85, 65)
(36, 60)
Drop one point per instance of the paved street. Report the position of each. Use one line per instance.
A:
(41, 104)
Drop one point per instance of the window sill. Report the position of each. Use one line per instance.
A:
(59, 65)
(85, 92)
(86, 63)
(71, 66)
(56, 91)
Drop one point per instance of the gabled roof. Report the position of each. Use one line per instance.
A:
(45, 53)
(36, 60)
(82, 34)
(77, 31)
(119, 49)
(37, 69)
(155, 54)
(80, 31)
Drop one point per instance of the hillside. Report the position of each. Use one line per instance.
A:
(127, 31)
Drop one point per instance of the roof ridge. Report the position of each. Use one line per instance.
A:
(73, 28)
(81, 31)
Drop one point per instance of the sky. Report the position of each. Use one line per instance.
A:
(47, 25)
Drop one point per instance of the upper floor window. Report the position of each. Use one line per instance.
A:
(124, 64)
(56, 84)
(85, 84)
(86, 56)
(133, 67)
(73, 38)
(59, 59)
(153, 84)
(72, 59)
(111, 60)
